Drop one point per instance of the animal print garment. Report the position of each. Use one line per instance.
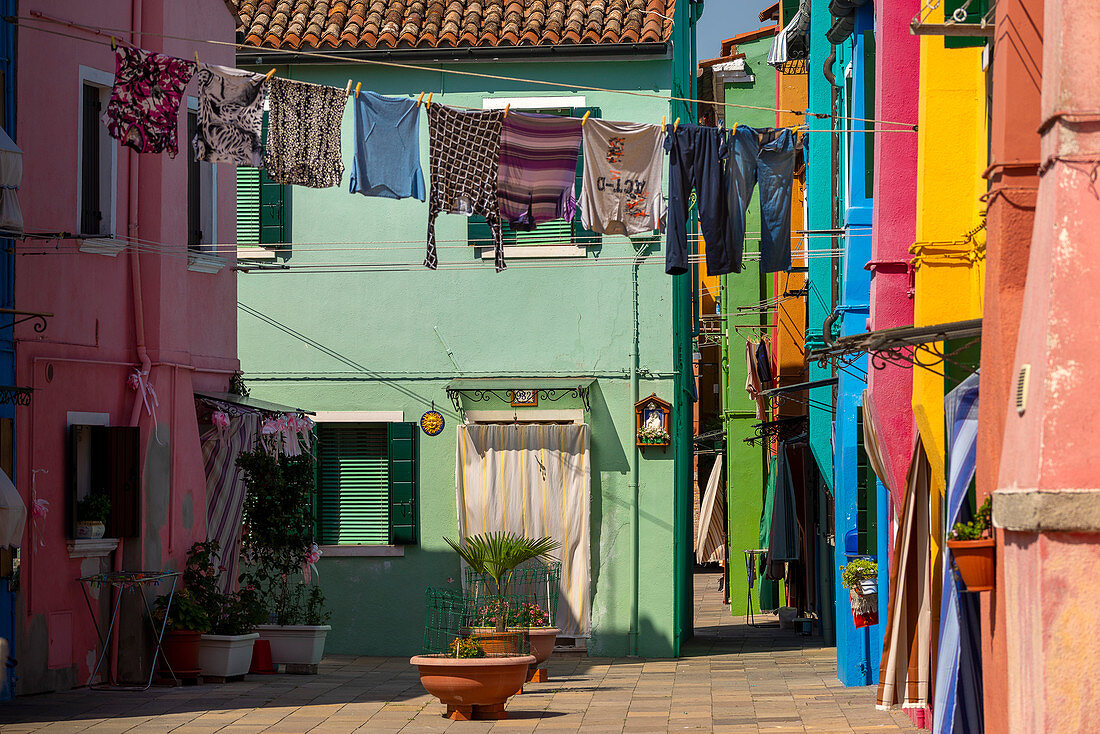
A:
(303, 134)
(144, 109)
(231, 114)
(464, 155)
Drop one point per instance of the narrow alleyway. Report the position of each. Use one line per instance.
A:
(732, 678)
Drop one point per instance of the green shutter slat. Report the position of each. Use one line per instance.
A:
(353, 483)
(404, 477)
(557, 232)
(248, 205)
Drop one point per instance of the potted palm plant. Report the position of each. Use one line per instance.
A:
(277, 546)
(973, 548)
(225, 651)
(495, 556)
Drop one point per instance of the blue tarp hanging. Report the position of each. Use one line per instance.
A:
(958, 668)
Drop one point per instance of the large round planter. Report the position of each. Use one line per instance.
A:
(90, 530)
(296, 644)
(181, 649)
(975, 561)
(473, 688)
(226, 656)
(542, 647)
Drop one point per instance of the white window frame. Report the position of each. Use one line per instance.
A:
(108, 179)
(535, 103)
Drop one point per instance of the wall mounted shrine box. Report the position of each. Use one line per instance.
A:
(651, 416)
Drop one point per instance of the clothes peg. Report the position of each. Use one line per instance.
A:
(734, 128)
(676, 125)
(662, 122)
(419, 99)
(270, 74)
(347, 90)
(196, 58)
(428, 103)
(114, 43)
(357, 88)
(585, 118)
(506, 107)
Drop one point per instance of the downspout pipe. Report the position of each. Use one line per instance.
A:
(635, 493)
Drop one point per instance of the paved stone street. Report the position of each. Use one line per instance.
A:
(732, 678)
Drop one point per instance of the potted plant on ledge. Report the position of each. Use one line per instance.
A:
(91, 515)
(278, 553)
(225, 651)
(186, 622)
(974, 548)
(860, 576)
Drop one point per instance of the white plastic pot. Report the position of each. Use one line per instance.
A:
(301, 644)
(226, 655)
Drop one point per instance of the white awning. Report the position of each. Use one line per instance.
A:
(13, 513)
(11, 175)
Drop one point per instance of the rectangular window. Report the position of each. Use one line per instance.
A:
(97, 163)
(201, 195)
(571, 235)
(367, 483)
(261, 208)
(105, 459)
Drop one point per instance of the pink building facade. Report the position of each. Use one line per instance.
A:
(120, 310)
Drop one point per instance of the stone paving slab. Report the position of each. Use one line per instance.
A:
(733, 678)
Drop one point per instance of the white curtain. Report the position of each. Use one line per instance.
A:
(532, 479)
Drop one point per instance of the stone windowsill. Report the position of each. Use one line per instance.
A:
(106, 245)
(91, 548)
(254, 252)
(1047, 510)
(362, 551)
(200, 262)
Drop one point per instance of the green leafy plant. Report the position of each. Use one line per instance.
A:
(93, 507)
(235, 613)
(980, 527)
(466, 647)
(497, 554)
(858, 570)
(279, 521)
(185, 612)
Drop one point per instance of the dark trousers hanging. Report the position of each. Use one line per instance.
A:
(695, 161)
(766, 157)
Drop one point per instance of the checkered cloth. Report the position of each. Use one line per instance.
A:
(464, 152)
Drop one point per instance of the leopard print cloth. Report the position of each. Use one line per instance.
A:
(231, 114)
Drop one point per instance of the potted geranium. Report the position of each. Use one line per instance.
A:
(542, 635)
(91, 515)
(973, 548)
(186, 622)
(278, 547)
(225, 651)
(860, 576)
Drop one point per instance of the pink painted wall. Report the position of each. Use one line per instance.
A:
(82, 360)
(897, 62)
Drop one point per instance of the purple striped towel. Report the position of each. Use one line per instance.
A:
(538, 168)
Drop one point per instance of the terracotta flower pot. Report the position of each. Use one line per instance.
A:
(181, 649)
(542, 647)
(473, 688)
(975, 560)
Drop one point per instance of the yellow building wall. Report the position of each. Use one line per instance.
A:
(948, 254)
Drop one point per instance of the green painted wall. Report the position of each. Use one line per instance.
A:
(387, 329)
(746, 471)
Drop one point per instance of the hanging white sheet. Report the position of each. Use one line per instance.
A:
(710, 538)
(11, 175)
(532, 479)
(13, 514)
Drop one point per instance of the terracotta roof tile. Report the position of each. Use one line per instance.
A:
(367, 24)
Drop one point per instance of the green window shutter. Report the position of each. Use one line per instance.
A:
(353, 471)
(974, 14)
(404, 475)
(273, 214)
(582, 236)
(248, 205)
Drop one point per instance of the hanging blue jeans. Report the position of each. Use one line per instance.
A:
(695, 161)
(764, 156)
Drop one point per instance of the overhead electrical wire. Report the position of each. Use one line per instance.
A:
(37, 16)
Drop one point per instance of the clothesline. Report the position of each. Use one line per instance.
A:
(37, 16)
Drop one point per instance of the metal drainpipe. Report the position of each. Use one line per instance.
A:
(833, 201)
(635, 539)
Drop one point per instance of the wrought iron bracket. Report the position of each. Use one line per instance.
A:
(782, 428)
(486, 394)
(15, 395)
(39, 319)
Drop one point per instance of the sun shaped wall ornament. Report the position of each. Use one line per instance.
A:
(432, 422)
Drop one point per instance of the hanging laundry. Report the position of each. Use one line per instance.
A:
(763, 363)
(386, 161)
(621, 189)
(303, 134)
(538, 169)
(231, 114)
(143, 113)
(752, 379)
(764, 155)
(695, 161)
(464, 153)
